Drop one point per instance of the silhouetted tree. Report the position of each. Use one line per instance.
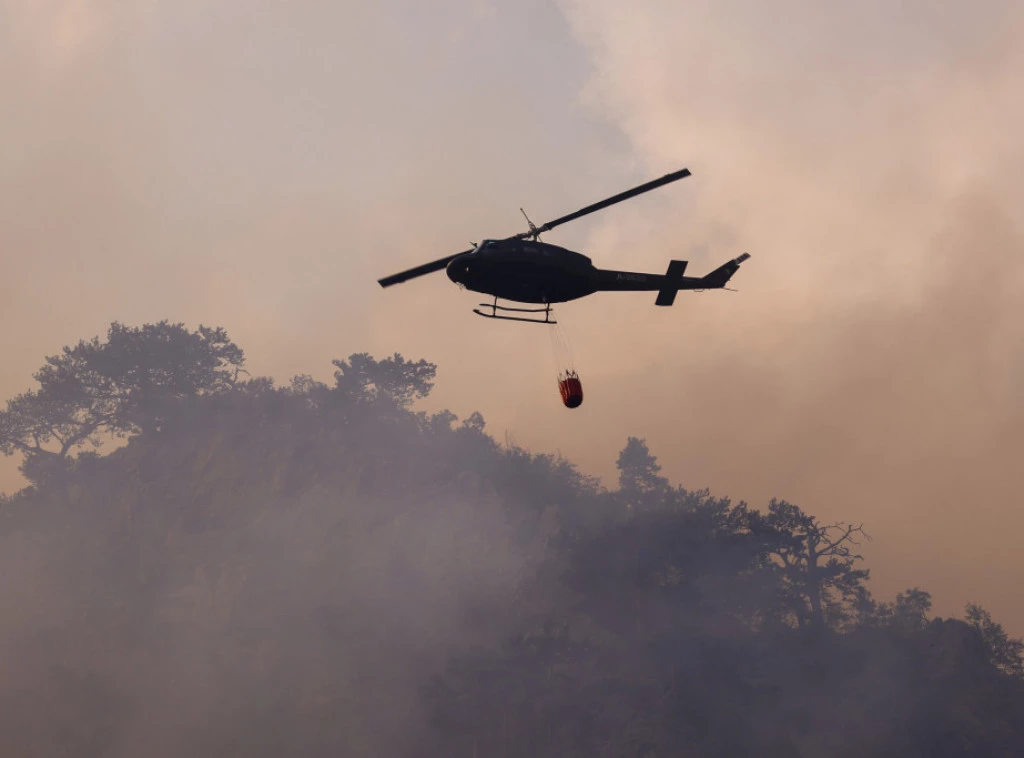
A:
(638, 473)
(123, 385)
(474, 422)
(909, 612)
(1006, 653)
(362, 378)
(817, 563)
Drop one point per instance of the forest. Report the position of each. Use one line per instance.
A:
(208, 563)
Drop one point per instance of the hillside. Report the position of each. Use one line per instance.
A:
(319, 569)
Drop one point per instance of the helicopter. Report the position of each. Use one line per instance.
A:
(523, 269)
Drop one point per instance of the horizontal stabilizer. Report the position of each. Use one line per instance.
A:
(673, 279)
(721, 275)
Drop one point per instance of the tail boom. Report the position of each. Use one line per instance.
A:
(669, 283)
(721, 275)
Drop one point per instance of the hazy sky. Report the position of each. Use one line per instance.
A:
(259, 165)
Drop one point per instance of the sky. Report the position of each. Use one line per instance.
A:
(259, 166)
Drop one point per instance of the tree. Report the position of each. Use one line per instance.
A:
(910, 611)
(638, 472)
(817, 562)
(1006, 653)
(392, 380)
(127, 384)
(474, 423)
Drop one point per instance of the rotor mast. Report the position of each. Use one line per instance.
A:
(534, 231)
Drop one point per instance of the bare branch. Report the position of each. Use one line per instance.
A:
(845, 537)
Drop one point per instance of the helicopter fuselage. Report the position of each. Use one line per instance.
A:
(525, 271)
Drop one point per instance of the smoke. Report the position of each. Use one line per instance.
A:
(870, 366)
(160, 619)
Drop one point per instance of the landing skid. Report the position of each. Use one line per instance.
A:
(546, 310)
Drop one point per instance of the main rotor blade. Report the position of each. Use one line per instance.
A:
(426, 268)
(610, 201)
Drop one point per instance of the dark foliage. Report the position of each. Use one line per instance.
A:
(125, 385)
(320, 569)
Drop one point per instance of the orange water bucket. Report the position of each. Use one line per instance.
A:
(571, 390)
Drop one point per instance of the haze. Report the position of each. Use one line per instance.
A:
(259, 167)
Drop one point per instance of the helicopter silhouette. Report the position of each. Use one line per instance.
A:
(523, 269)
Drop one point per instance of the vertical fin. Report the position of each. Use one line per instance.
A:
(673, 278)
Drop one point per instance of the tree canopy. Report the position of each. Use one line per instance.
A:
(125, 384)
(320, 568)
